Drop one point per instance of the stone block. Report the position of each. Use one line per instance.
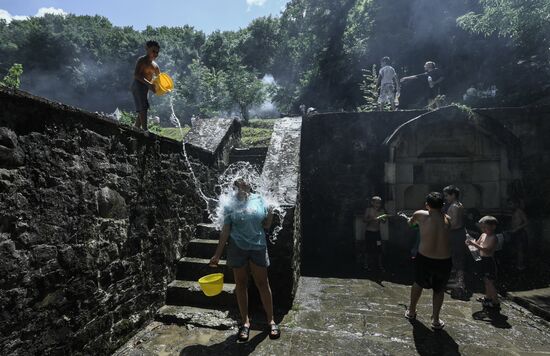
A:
(110, 204)
(44, 253)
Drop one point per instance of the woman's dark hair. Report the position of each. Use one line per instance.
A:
(452, 190)
(386, 60)
(150, 44)
(435, 200)
(241, 181)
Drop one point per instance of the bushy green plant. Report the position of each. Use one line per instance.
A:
(13, 78)
(369, 90)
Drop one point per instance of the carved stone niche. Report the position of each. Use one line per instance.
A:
(451, 146)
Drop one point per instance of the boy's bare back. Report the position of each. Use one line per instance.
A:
(434, 234)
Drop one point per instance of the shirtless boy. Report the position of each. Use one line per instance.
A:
(146, 69)
(373, 240)
(519, 234)
(487, 244)
(432, 265)
(455, 211)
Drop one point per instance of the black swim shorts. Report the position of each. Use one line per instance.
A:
(432, 273)
(139, 92)
(373, 241)
(487, 267)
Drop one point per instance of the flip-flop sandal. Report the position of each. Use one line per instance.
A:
(410, 315)
(438, 325)
(274, 331)
(243, 334)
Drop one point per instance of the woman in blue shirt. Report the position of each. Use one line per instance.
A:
(245, 219)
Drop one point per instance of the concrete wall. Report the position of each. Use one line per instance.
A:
(93, 216)
(343, 164)
(211, 140)
(281, 173)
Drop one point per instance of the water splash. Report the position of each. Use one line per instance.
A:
(174, 120)
(224, 187)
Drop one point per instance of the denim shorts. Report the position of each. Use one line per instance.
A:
(237, 258)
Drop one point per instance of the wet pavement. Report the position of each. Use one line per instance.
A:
(334, 316)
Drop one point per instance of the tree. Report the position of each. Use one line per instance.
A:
(527, 22)
(258, 43)
(245, 88)
(12, 78)
(204, 92)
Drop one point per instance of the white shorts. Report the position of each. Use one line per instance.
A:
(387, 94)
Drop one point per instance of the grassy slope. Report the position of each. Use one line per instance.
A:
(257, 133)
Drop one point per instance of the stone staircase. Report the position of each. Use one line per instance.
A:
(185, 302)
(253, 155)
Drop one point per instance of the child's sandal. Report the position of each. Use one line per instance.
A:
(409, 315)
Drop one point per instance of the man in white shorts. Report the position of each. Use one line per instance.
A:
(388, 83)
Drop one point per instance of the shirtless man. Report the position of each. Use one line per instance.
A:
(374, 215)
(432, 265)
(455, 210)
(146, 69)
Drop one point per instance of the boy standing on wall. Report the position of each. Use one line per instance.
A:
(388, 84)
(145, 70)
(487, 245)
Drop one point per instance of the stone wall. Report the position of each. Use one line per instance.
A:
(211, 140)
(342, 165)
(281, 172)
(93, 216)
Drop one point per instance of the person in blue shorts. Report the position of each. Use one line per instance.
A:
(245, 219)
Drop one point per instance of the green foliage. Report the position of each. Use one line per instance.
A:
(204, 91)
(262, 123)
(245, 88)
(13, 77)
(255, 137)
(316, 50)
(369, 90)
(527, 22)
(174, 133)
(127, 118)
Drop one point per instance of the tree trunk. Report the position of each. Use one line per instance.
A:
(244, 114)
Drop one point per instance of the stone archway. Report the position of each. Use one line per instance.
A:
(451, 146)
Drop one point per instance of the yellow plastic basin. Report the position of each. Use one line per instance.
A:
(163, 84)
(211, 284)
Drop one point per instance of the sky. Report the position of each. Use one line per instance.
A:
(205, 15)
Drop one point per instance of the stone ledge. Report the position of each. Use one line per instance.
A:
(537, 301)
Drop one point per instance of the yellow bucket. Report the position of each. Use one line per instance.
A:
(163, 84)
(211, 284)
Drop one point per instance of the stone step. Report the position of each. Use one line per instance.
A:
(221, 319)
(191, 269)
(207, 231)
(188, 293)
(202, 248)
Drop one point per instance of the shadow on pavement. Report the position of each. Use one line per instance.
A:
(229, 347)
(493, 317)
(433, 342)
